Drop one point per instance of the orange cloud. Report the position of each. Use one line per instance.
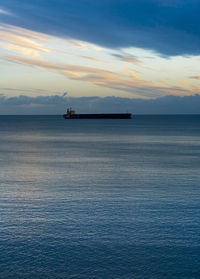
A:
(92, 58)
(22, 41)
(163, 82)
(132, 60)
(81, 56)
(24, 32)
(22, 50)
(185, 81)
(196, 77)
(131, 72)
(101, 77)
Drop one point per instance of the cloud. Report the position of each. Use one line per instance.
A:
(167, 27)
(4, 12)
(22, 50)
(128, 81)
(57, 104)
(22, 41)
(54, 66)
(92, 58)
(24, 32)
(27, 90)
(81, 56)
(128, 58)
(131, 72)
(195, 77)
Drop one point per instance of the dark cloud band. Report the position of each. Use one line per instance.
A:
(167, 27)
(57, 104)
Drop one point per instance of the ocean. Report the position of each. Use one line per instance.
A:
(100, 198)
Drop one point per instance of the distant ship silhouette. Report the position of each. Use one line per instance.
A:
(70, 114)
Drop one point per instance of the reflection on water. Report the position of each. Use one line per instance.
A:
(99, 198)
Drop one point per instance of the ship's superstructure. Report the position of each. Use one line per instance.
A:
(70, 114)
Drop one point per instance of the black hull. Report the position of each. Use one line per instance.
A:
(99, 116)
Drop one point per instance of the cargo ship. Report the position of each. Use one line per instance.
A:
(70, 114)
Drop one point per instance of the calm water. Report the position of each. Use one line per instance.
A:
(100, 198)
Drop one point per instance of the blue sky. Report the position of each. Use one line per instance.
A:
(140, 49)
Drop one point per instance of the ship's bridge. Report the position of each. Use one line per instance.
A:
(70, 111)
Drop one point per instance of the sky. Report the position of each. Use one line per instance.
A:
(112, 49)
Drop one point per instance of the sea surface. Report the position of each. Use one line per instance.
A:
(100, 198)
